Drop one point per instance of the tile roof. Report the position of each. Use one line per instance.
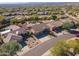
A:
(54, 23)
(39, 27)
(12, 36)
(13, 27)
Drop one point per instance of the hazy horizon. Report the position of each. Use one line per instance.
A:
(21, 4)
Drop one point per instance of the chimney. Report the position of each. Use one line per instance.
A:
(17, 32)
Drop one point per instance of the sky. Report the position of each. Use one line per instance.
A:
(15, 1)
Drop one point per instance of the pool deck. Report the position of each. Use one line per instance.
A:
(48, 37)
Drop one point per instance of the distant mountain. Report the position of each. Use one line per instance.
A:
(38, 4)
(31, 4)
(72, 3)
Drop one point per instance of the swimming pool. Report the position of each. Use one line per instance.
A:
(42, 34)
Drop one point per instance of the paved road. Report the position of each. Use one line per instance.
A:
(41, 49)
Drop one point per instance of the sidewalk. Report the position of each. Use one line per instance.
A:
(24, 50)
(47, 53)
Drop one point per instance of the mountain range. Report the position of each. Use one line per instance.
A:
(23, 4)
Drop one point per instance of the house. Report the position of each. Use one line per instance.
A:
(64, 16)
(19, 12)
(20, 31)
(13, 13)
(13, 27)
(40, 13)
(46, 12)
(66, 20)
(75, 31)
(9, 17)
(27, 17)
(19, 17)
(37, 28)
(11, 37)
(5, 31)
(6, 14)
(54, 24)
(55, 27)
(57, 23)
(25, 13)
(26, 25)
(40, 30)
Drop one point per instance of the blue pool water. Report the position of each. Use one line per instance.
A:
(41, 35)
(58, 30)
